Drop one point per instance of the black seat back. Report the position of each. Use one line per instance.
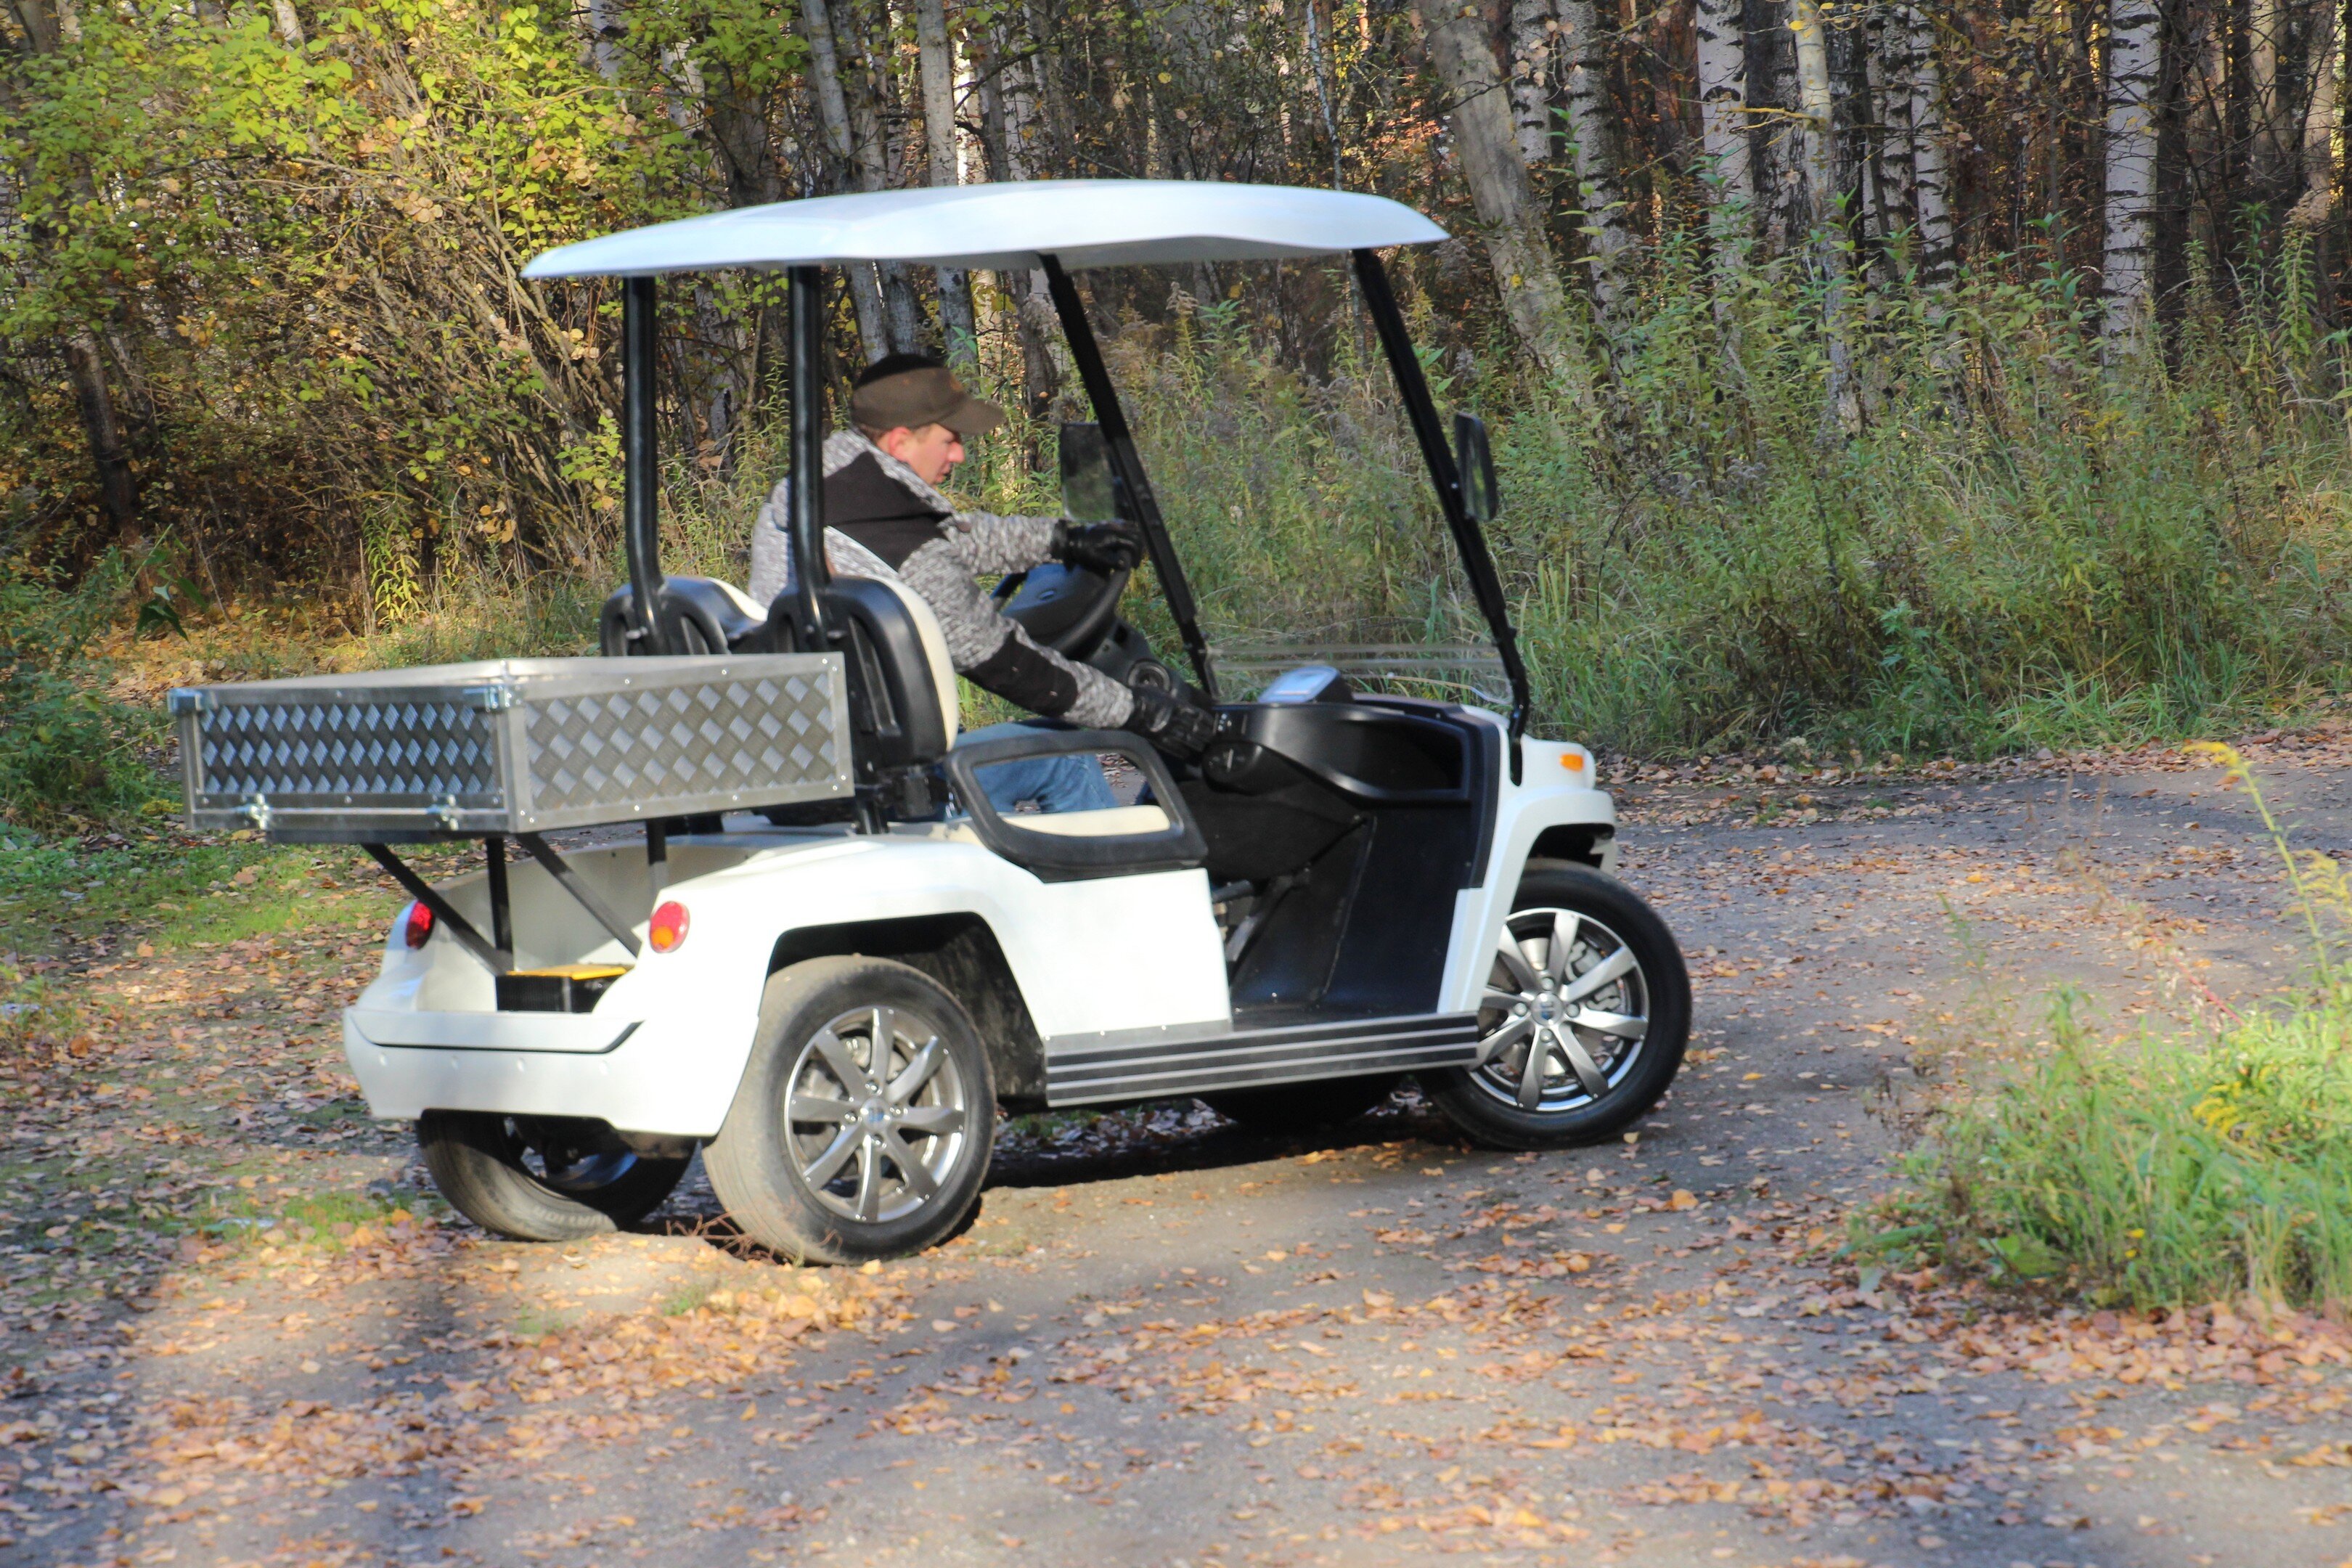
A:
(701, 616)
(895, 712)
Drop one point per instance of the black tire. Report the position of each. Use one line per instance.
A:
(540, 1178)
(1303, 1107)
(1490, 1102)
(800, 1185)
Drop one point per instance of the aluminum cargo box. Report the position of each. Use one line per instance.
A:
(525, 745)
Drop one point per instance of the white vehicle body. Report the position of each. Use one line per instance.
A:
(1119, 983)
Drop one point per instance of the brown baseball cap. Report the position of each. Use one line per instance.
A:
(913, 391)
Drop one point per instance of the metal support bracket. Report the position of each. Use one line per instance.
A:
(581, 894)
(445, 914)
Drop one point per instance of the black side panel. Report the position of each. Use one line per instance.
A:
(1289, 962)
(1364, 930)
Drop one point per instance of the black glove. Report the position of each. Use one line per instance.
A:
(1170, 724)
(1102, 546)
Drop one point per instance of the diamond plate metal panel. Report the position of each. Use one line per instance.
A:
(522, 745)
(598, 751)
(346, 750)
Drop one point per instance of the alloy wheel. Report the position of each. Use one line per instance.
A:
(876, 1114)
(1565, 1014)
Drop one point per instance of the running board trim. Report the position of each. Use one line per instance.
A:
(1153, 1064)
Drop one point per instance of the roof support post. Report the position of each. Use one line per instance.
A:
(811, 572)
(1126, 469)
(1485, 586)
(641, 483)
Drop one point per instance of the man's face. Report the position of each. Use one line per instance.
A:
(930, 451)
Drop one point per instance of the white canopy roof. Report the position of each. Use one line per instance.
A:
(1085, 222)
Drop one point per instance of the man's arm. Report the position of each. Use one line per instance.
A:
(995, 546)
(996, 655)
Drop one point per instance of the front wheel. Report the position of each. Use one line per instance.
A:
(1585, 1017)
(864, 1119)
(540, 1178)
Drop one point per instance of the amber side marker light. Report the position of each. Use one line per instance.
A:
(667, 930)
(1572, 761)
(416, 930)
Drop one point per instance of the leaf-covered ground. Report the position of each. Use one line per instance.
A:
(236, 1328)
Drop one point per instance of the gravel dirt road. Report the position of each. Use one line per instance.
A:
(1168, 1342)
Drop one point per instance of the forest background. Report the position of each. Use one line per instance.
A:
(1962, 375)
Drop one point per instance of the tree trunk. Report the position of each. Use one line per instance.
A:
(940, 134)
(1512, 227)
(1004, 110)
(1532, 69)
(870, 93)
(1931, 208)
(2133, 59)
(118, 487)
(2322, 126)
(1815, 144)
(118, 484)
(606, 31)
(1606, 230)
(289, 25)
(1722, 29)
(832, 109)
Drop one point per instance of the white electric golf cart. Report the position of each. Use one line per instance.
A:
(1348, 887)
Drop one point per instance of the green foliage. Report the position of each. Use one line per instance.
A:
(2161, 1170)
(2154, 1172)
(72, 755)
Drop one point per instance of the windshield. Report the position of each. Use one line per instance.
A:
(1304, 516)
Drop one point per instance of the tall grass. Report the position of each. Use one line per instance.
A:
(2001, 542)
(2161, 1170)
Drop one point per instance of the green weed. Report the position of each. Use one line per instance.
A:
(2157, 1171)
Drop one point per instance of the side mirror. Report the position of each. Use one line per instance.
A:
(1474, 460)
(1086, 492)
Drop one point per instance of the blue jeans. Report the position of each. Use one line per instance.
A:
(1055, 783)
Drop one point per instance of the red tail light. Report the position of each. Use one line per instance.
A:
(417, 928)
(666, 931)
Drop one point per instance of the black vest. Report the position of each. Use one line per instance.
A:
(879, 512)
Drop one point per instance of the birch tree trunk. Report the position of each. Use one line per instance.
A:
(1532, 71)
(1816, 151)
(1511, 225)
(871, 95)
(832, 109)
(2133, 43)
(1009, 113)
(1605, 228)
(606, 31)
(1931, 206)
(289, 24)
(1722, 30)
(939, 137)
(2323, 127)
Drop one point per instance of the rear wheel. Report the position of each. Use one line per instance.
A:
(540, 1178)
(1586, 1014)
(865, 1116)
(1303, 1107)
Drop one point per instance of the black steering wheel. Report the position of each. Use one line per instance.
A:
(1070, 609)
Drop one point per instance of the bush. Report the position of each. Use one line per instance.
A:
(2159, 1171)
(72, 755)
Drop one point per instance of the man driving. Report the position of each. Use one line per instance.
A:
(885, 517)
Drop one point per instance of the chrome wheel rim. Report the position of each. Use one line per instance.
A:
(1565, 1015)
(876, 1114)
